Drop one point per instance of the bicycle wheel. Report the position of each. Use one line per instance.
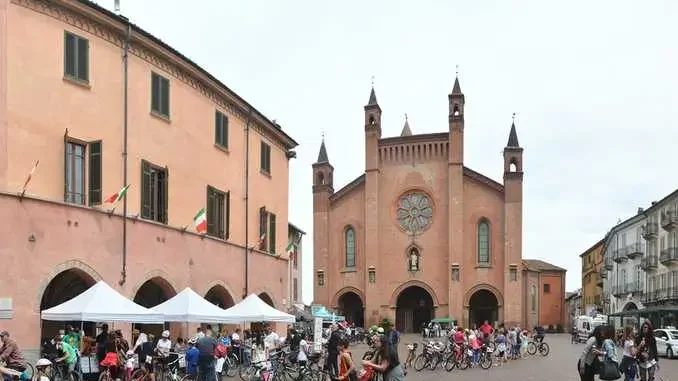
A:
(30, 371)
(188, 377)
(486, 360)
(247, 372)
(104, 376)
(531, 348)
(450, 362)
(433, 362)
(420, 363)
(464, 362)
(544, 349)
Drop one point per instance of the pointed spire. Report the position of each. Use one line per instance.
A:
(406, 128)
(373, 98)
(513, 135)
(322, 155)
(457, 88)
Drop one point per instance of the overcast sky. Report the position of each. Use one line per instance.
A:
(594, 85)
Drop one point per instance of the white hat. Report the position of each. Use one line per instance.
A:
(165, 334)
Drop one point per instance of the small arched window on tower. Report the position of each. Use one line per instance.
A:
(350, 247)
(456, 111)
(372, 121)
(513, 165)
(321, 178)
(483, 243)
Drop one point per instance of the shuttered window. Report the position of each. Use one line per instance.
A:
(160, 88)
(217, 212)
(221, 129)
(76, 57)
(74, 173)
(95, 173)
(154, 192)
(265, 158)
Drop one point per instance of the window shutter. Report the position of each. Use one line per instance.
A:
(224, 130)
(220, 215)
(155, 92)
(217, 128)
(146, 189)
(165, 96)
(83, 59)
(66, 179)
(227, 212)
(165, 205)
(271, 247)
(262, 227)
(210, 211)
(263, 156)
(69, 54)
(95, 172)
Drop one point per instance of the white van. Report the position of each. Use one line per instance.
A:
(586, 324)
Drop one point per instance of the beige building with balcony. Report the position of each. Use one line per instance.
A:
(641, 258)
(100, 104)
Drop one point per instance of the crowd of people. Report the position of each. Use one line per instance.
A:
(639, 354)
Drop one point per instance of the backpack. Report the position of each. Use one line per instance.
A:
(221, 351)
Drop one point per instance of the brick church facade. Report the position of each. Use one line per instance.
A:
(419, 235)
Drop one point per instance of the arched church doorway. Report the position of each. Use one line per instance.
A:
(630, 306)
(62, 288)
(267, 298)
(414, 307)
(352, 308)
(483, 306)
(153, 292)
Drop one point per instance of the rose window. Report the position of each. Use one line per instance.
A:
(414, 212)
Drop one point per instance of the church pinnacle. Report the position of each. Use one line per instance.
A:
(513, 135)
(322, 155)
(406, 128)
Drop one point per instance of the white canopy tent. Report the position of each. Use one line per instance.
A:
(253, 309)
(101, 303)
(189, 307)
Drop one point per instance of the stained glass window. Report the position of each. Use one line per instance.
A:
(483, 243)
(350, 247)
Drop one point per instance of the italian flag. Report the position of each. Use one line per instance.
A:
(117, 196)
(290, 250)
(200, 221)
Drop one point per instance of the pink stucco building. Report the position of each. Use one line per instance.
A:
(191, 143)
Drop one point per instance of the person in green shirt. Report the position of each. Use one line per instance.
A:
(70, 356)
(72, 337)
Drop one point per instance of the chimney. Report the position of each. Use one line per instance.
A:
(640, 210)
(654, 202)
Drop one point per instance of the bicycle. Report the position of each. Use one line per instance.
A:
(60, 372)
(540, 346)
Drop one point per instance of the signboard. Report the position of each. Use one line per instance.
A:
(317, 334)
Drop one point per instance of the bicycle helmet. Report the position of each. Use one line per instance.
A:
(380, 330)
(43, 362)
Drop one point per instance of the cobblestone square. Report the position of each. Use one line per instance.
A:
(559, 365)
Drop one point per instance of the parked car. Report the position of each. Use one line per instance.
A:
(667, 341)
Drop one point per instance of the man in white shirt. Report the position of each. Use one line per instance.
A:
(271, 340)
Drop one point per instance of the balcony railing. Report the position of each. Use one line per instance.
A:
(669, 256)
(634, 250)
(649, 263)
(661, 295)
(650, 230)
(669, 220)
(619, 255)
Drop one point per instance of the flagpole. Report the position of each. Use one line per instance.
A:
(123, 273)
(247, 201)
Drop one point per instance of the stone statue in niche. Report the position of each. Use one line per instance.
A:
(414, 259)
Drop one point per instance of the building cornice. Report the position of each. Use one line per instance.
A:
(396, 140)
(108, 26)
